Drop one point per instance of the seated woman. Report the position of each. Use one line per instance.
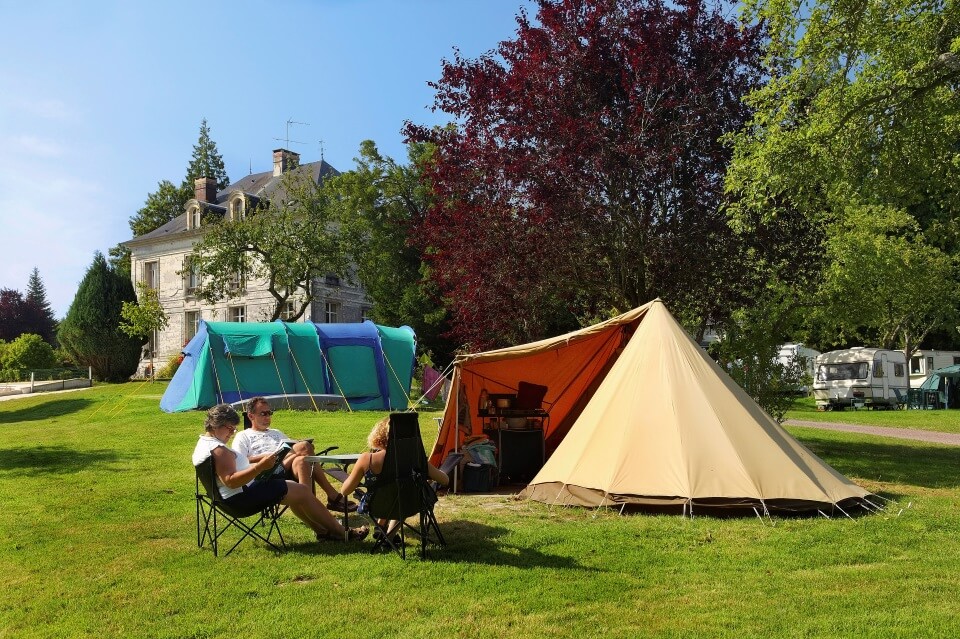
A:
(370, 465)
(235, 479)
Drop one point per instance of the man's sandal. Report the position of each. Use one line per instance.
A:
(353, 534)
(341, 504)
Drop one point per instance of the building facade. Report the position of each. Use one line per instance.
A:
(161, 259)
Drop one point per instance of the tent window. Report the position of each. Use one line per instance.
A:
(238, 313)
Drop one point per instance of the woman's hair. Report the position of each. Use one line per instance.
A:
(220, 415)
(378, 436)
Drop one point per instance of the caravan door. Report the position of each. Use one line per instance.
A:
(885, 371)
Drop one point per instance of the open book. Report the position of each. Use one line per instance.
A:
(277, 467)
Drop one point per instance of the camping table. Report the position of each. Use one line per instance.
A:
(342, 464)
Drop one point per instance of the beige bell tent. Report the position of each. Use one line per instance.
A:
(655, 423)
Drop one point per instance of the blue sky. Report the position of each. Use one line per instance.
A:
(99, 101)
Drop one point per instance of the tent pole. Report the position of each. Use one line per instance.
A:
(303, 377)
(837, 506)
(216, 375)
(335, 381)
(276, 367)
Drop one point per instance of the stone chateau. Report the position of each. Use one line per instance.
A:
(161, 259)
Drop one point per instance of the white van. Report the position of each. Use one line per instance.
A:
(860, 377)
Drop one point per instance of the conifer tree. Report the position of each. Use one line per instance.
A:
(45, 324)
(168, 201)
(90, 332)
(205, 162)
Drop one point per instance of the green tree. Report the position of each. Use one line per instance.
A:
(168, 201)
(27, 351)
(145, 317)
(885, 284)
(858, 117)
(46, 324)
(90, 332)
(859, 107)
(288, 243)
(380, 203)
(205, 162)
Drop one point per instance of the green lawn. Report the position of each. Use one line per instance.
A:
(947, 421)
(98, 531)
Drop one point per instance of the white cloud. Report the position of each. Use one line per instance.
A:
(45, 108)
(35, 146)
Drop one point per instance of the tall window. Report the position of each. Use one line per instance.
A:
(236, 209)
(289, 311)
(191, 324)
(193, 218)
(237, 313)
(331, 312)
(364, 314)
(236, 282)
(151, 274)
(191, 279)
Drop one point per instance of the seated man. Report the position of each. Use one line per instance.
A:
(260, 441)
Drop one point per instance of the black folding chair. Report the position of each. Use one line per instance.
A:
(214, 517)
(402, 491)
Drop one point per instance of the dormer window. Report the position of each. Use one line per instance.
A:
(193, 217)
(237, 209)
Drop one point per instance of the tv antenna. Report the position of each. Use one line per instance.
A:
(287, 139)
(320, 142)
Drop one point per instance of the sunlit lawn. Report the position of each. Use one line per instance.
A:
(947, 421)
(98, 531)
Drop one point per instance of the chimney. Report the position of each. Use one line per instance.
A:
(205, 189)
(284, 161)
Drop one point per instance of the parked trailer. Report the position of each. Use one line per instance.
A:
(791, 355)
(858, 377)
(925, 361)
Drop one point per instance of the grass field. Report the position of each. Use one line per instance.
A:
(946, 421)
(98, 531)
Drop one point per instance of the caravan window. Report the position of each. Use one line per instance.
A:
(897, 370)
(916, 365)
(878, 368)
(854, 370)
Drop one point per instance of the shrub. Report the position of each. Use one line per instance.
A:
(27, 351)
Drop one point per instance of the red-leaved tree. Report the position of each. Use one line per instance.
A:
(583, 170)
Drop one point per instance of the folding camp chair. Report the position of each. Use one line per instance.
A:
(402, 490)
(214, 517)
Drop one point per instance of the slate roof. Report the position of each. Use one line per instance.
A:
(256, 186)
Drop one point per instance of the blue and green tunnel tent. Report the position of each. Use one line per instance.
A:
(313, 366)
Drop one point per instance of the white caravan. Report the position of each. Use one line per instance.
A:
(860, 376)
(924, 362)
(798, 354)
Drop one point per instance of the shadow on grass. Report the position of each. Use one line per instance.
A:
(46, 410)
(926, 466)
(38, 460)
(467, 542)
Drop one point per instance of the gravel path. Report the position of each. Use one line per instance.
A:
(950, 439)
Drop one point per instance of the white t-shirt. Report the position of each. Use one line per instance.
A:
(205, 448)
(250, 442)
